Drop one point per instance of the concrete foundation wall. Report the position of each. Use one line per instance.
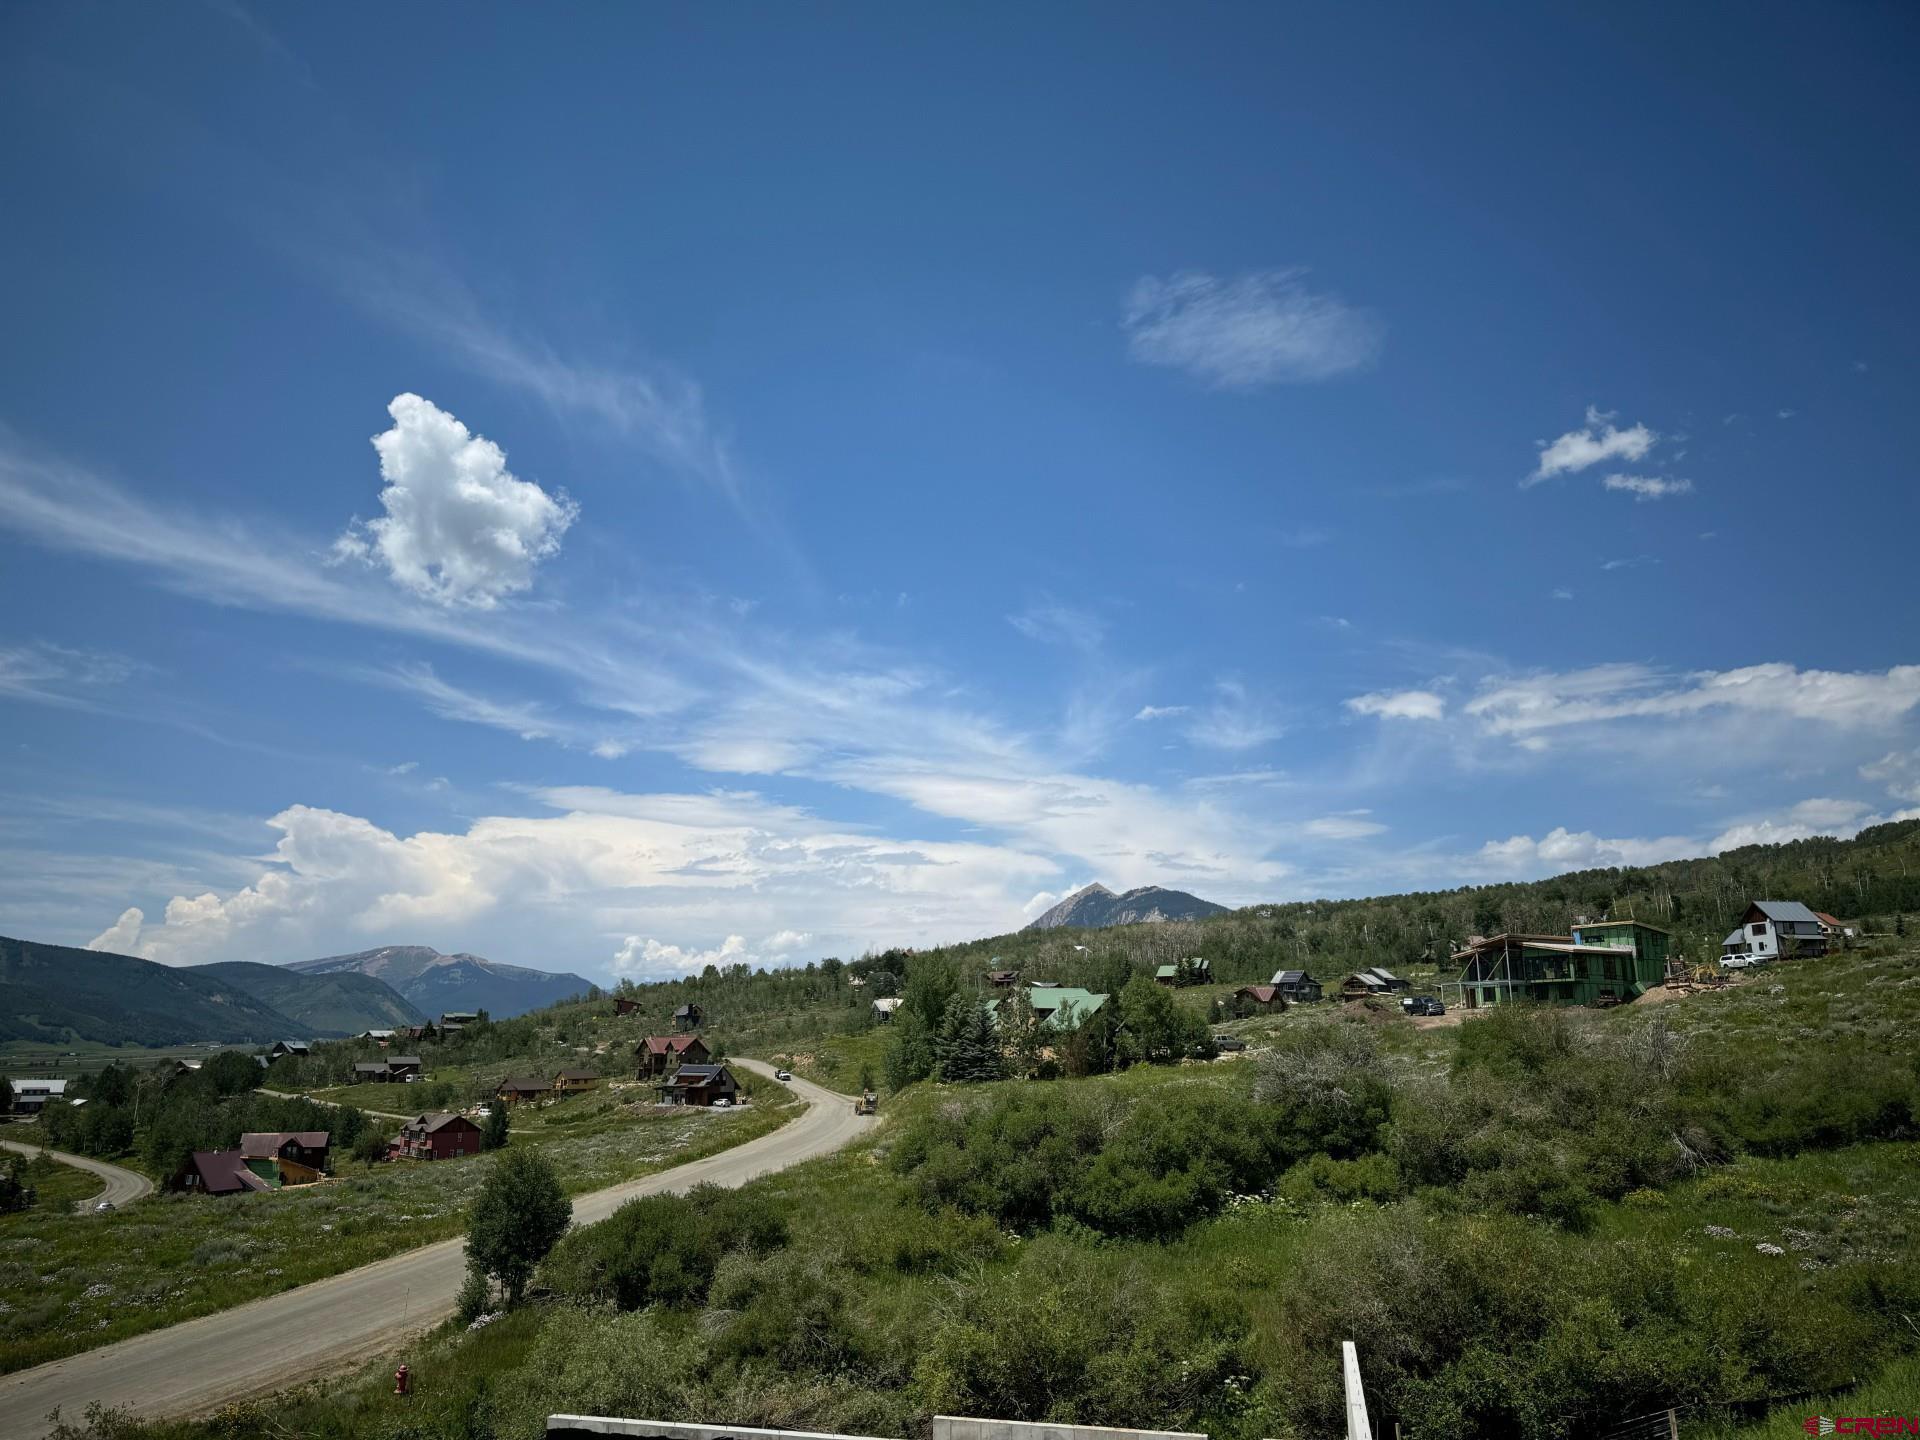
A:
(954, 1427)
(586, 1427)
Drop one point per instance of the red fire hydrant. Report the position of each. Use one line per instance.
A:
(403, 1381)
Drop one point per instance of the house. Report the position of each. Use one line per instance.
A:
(459, 1017)
(381, 1036)
(1607, 962)
(424, 1031)
(513, 1091)
(658, 1054)
(1260, 997)
(883, 1009)
(1003, 979)
(185, 1067)
(1296, 985)
(688, 1017)
(371, 1072)
(1060, 1007)
(1836, 930)
(572, 1082)
(1387, 978)
(297, 1157)
(399, 1067)
(30, 1097)
(622, 1005)
(1777, 930)
(281, 1048)
(1362, 985)
(218, 1172)
(698, 1085)
(1197, 966)
(436, 1136)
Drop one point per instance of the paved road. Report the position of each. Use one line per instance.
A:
(123, 1186)
(327, 1326)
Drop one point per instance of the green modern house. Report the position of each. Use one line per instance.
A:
(1061, 1007)
(1608, 962)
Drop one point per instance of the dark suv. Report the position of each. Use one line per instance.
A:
(1422, 1005)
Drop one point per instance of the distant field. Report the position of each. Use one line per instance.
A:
(71, 1282)
(21, 1056)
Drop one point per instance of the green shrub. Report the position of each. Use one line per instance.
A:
(663, 1248)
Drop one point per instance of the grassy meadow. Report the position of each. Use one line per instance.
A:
(70, 1282)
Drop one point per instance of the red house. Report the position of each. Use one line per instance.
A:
(658, 1054)
(436, 1136)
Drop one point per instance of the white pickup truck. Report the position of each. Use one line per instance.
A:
(1740, 961)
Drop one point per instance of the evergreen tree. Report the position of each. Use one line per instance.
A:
(911, 1055)
(968, 1048)
(493, 1133)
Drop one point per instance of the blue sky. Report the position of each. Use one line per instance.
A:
(845, 475)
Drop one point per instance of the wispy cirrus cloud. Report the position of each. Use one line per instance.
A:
(1264, 328)
(1648, 487)
(1400, 705)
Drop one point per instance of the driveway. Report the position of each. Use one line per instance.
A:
(327, 1327)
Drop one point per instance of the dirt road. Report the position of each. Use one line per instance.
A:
(326, 1327)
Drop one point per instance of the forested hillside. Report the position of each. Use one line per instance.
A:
(53, 993)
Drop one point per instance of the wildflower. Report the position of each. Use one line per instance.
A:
(1768, 1249)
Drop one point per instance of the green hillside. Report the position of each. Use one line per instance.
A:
(53, 993)
(337, 1004)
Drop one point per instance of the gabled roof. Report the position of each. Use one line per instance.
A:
(685, 1010)
(1786, 912)
(1290, 977)
(1735, 936)
(523, 1083)
(403, 1060)
(259, 1144)
(371, 1067)
(224, 1172)
(439, 1120)
(668, 1044)
(888, 1005)
(38, 1087)
(578, 1075)
(1827, 920)
(1386, 975)
(1263, 993)
(692, 1076)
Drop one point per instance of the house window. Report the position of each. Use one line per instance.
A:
(1759, 929)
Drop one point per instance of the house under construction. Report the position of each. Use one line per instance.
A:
(1605, 963)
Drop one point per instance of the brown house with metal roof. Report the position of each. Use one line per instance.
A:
(217, 1172)
(657, 1054)
(513, 1091)
(437, 1135)
(699, 1085)
(572, 1082)
(1264, 997)
(299, 1156)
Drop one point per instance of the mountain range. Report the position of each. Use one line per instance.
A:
(53, 994)
(1094, 907)
(436, 983)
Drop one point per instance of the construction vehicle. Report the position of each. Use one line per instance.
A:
(867, 1104)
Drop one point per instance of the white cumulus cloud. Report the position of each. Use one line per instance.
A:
(459, 528)
(1599, 439)
(1264, 328)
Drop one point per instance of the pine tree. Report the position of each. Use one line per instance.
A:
(493, 1134)
(969, 1049)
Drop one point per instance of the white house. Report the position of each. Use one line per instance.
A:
(31, 1096)
(883, 1009)
(1776, 930)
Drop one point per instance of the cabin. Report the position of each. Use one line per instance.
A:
(1837, 931)
(1777, 930)
(436, 1136)
(573, 1082)
(658, 1054)
(381, 1037)
(185, 1067)
(516, 1090)
(30, 1097)
(1060, 1007)
(1362, 985)
(1259, 997)
(1608, 962)
(699, 1085)
(688, 1017)
(1003, 979)
(883, 1010)
(282, 1048)
(423, 1031)
(1387, 978)
(459, 1017)
(1198, 972)
(400, 1067)
(371, 1072)
(1295, 986)
(622, 1005)
(218, 1172)
(297, 1157)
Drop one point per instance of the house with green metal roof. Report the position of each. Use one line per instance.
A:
(1060, 1007)
(1198, 971)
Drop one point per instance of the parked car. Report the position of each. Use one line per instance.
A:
(1228, 1044)
(103, 1207)
(1422, 1005)
(723, 1103)
(783, 1075)
(1743, 960)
